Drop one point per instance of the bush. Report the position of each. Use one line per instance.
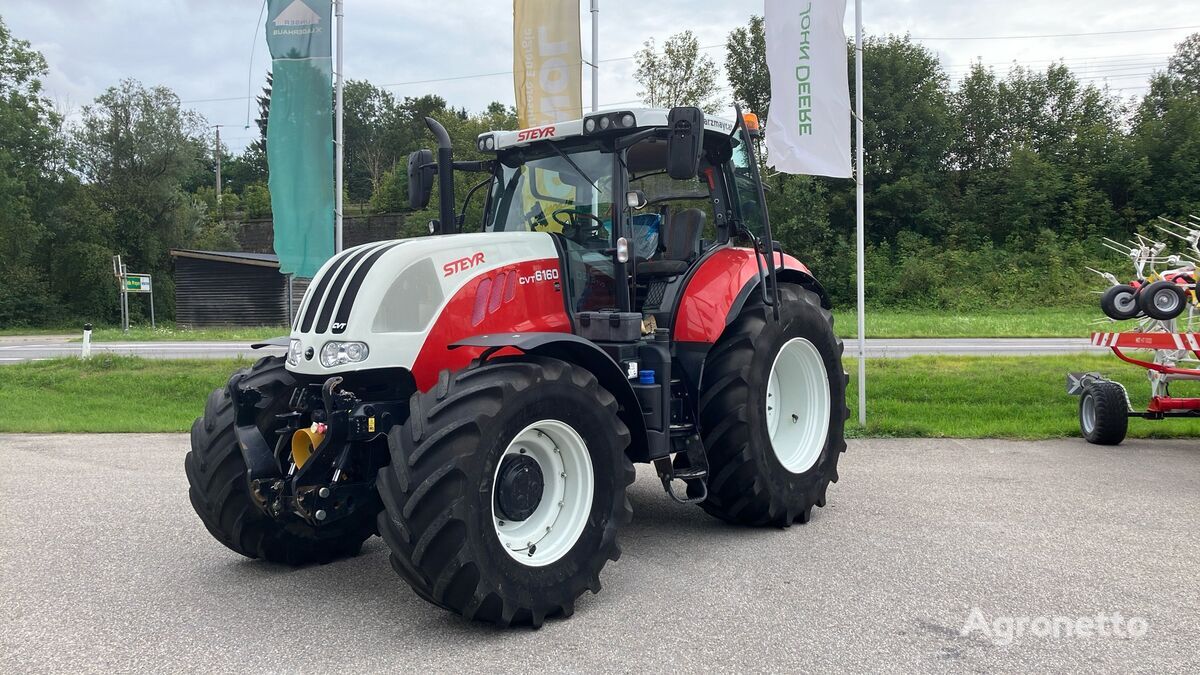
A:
(256, 199)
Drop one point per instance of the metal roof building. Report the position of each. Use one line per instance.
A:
(232, 288)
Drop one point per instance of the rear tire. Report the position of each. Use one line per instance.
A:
(220, 492)
(440, 490)
(750, 481)
(1103, 413)
(1162, 300)
(1120, 302)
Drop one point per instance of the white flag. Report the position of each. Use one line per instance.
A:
(809, 126)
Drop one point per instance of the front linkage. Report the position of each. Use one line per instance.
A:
(325, 440)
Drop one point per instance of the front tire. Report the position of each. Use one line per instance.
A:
(220, 491)
(446, 490)
(772, 411)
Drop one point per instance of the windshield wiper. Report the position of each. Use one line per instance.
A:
(575, 166)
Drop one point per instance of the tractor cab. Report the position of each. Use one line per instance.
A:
(639, 195)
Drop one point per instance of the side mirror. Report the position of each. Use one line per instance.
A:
(421, 169)
(635, 199)
(686, 125)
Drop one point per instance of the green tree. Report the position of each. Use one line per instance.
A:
(373, 133)
(136, 147)
(680, 75)
(256, 199)
(30, 168)
(746, 66)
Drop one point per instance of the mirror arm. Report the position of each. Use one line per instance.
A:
(628, 141)
(476, 166)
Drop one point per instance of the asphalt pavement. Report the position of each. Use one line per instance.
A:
(34, 350)
(104, 567)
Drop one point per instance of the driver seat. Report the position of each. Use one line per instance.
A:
(681, 237)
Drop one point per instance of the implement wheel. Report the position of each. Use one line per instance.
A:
(1103, 413)
(506, 488)
(1120, 302)
(1162, 300)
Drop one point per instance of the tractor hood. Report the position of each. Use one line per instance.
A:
(375, 305)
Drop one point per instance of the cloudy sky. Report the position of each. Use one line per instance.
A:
(204, 48)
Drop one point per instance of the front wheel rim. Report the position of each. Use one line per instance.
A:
(561, 515)
(798, 405)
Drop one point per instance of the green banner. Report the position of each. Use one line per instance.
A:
(300, 133)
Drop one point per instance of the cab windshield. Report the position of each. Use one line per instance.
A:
(565, 189)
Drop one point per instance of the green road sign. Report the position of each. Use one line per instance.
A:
(137, 283)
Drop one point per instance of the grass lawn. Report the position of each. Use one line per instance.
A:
(951, 396)
(1036, 322)
(994, 397)
(108, 393)
(171, 334)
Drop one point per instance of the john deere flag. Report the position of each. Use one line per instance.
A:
(547, 61)
(300, 133)
(809, 127)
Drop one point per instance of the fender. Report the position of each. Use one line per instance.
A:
(585, 354)
(719, 288)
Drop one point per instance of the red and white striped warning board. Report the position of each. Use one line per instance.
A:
(1189, 341)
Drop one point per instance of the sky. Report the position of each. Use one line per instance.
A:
(206, 50)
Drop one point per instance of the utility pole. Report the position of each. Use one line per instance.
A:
(217, 152)
(595, 55)
(339, 138)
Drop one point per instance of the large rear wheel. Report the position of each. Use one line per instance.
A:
(506, 488)
(772, 410)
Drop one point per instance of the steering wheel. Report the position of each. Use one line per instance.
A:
(593, 230)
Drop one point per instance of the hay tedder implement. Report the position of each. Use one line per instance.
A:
(1165, 305)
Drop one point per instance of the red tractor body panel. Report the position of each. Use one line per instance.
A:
(519, 298)
(714, 289)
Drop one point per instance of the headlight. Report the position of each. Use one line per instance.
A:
(295, 351)
(339, 353)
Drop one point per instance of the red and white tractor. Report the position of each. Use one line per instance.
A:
(479, 398)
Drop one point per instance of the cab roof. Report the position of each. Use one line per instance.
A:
(602, 121)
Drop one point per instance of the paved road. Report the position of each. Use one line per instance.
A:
(47, 349)
(104, 567)
(876, 348)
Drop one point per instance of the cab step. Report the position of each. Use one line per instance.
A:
(694, 475)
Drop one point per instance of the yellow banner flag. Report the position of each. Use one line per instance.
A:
(547, 61)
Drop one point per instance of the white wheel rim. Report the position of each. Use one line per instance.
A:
(559, 519)
(1125, 301)
(1087, 414)
(798, 405)
(1166, 300)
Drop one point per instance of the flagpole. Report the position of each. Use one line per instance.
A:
(337, 141)
(595, 56)
(860, 236)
